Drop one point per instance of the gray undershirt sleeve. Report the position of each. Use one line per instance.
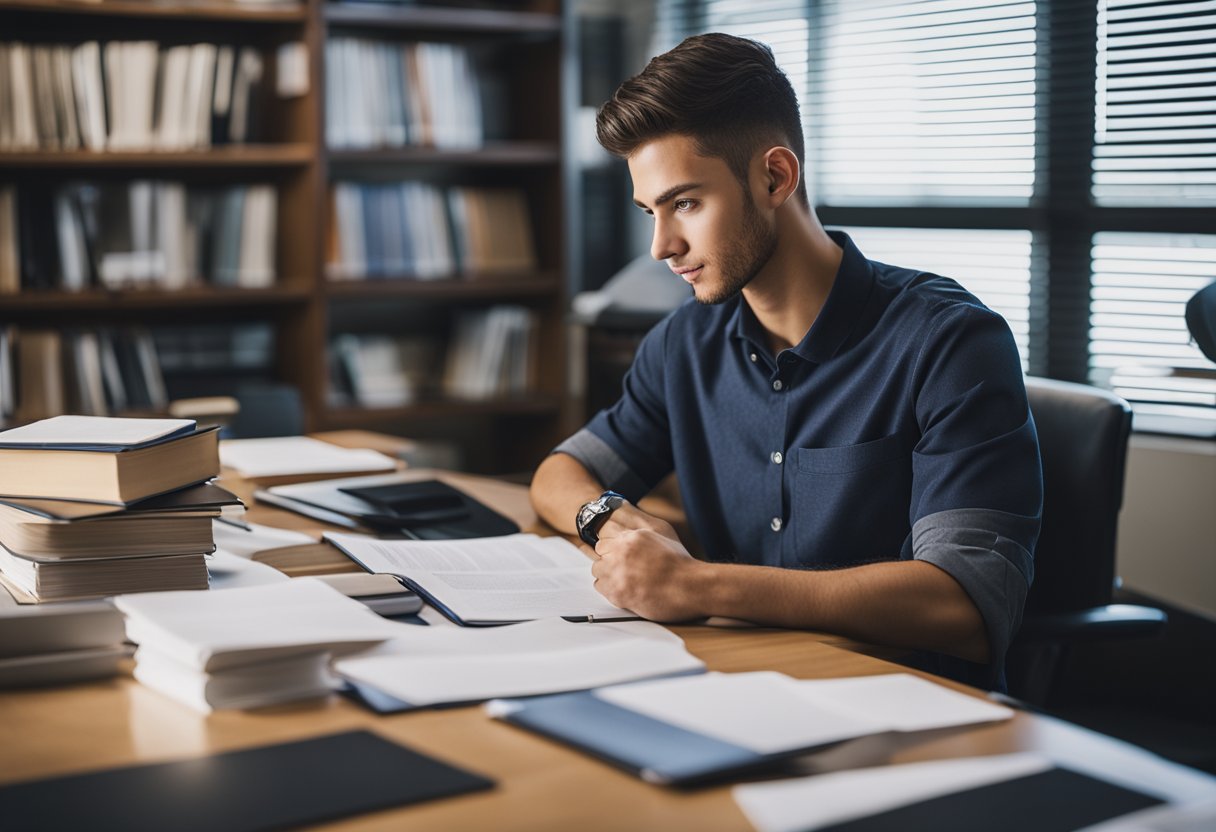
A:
(604, 464)
(979, 548)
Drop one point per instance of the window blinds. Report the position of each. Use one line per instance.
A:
(1139, 344)
(1155, 119)
(992, 264)
(924, 102)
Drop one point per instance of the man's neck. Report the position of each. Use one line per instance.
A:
(787, 296)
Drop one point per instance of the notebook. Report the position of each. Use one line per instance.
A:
(270, 787)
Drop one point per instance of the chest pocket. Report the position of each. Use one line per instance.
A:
(851, 502)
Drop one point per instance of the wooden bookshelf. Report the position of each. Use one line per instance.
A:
(154, 10)
(304, 309)
(286, 155)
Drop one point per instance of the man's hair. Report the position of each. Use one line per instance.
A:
(725, 93)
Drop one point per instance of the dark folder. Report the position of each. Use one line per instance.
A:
(272, 787)
(429, 510)
(1057, 800)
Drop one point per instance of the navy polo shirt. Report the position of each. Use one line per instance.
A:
(898, 428)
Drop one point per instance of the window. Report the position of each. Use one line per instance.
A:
(1058, 158)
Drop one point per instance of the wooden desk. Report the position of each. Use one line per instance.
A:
(541, 785)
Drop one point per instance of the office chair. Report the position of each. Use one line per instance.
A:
(1083, 437)
(266, 410)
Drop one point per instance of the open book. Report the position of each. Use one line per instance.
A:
(490, 580)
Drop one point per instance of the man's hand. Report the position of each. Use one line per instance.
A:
(646, 569)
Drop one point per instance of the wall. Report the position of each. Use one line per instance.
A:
(1167, 531)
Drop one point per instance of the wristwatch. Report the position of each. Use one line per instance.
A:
(593, 515)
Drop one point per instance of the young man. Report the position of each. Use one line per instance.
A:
(852, 440)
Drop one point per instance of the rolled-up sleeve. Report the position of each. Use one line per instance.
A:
(977, 491)
(628, 446)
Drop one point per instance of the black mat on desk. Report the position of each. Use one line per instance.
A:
(1057, 800)
(272, 787)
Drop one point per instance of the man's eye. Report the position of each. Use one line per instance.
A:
(683, 204)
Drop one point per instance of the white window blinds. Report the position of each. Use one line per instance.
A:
(1155, 119)
(924, 102)
(1139, 344)
(992, 264)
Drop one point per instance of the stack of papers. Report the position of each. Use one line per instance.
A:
(298, 459)
(444, 665)
(246, 647)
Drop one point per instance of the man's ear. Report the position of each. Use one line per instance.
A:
(782, 174)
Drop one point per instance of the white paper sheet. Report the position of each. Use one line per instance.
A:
(494, 579)
(249, 538)
(229, 571)
(814, 802)
(290, 455)
(429, 666)
(215, 629)
(770, 712)
(93, 430)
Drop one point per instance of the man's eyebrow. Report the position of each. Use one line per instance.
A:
(669, 194)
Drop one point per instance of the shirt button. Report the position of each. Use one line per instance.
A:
(777, 385)
(777, 458)
(753, 358)
(775, 524)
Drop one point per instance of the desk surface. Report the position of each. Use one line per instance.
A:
(541, 785)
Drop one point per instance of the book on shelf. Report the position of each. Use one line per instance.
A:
(491, 580)
(91, 458)
(422, 94)
(129, 95)
(490, 353)
(89, 372)
(414, 230)
(690, 729)
(138, 234)
(382, 370)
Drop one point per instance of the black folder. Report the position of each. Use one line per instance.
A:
(429, 510)
(271, 787)
(1056, 800)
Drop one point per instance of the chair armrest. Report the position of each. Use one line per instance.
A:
(1097, 623)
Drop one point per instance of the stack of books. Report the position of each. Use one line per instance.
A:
(93, 506)
(56, 643)
(249, 646)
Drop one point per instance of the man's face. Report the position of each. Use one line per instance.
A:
(706, 226)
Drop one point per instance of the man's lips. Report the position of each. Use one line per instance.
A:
(689, 273)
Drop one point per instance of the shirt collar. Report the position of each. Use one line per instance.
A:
(843, 308)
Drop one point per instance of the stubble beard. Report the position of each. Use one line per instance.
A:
(742, 263)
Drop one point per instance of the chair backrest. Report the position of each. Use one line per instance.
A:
(267, 410)
(1083, 435)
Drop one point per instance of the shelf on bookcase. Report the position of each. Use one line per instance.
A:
(352, 417)
(104, 300)
(183, 10)
(492, 154)
(489, 21)
(227, 156)
(461, 288)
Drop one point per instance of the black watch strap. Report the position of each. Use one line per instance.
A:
(592, 516)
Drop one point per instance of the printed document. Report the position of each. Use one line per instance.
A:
(431, 665)
(490, 580)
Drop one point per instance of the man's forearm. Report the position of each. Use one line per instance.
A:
(559, 488)
(900, 603)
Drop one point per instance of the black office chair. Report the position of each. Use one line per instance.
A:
(1083, 436)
